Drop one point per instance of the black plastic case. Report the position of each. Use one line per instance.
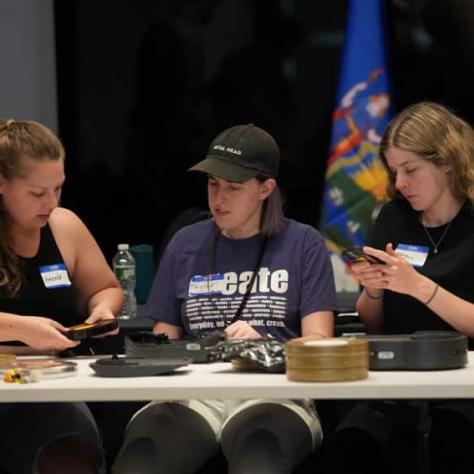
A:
(198, 350)
(136, 366)
(422, 350)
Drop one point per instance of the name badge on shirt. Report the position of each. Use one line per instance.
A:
(416, 255)
(55, 276)
(206, 285)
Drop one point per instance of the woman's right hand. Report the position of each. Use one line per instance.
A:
(44, 334)
(369, 303)
(368, 274)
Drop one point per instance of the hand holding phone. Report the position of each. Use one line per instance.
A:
(85, 330)
(355, 254)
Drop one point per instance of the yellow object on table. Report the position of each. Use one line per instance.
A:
(32, 369)
(20, 376)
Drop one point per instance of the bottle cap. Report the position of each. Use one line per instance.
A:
(123, 246)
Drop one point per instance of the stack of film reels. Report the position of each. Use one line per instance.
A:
(327, 360)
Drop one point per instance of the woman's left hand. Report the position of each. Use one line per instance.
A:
(241, 330)
(100, 313)
(396, 275)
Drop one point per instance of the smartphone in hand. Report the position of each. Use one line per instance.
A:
(85, 330)
(356, 254)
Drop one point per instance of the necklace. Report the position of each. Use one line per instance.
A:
(435, 246)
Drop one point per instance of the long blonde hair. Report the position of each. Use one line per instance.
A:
(18, 141)
(437, 135)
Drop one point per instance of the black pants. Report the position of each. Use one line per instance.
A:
(384, 436)
(34, 432)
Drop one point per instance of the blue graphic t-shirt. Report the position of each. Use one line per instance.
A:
(294, 279)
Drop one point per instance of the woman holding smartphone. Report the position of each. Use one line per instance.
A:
(425, 238)
(52, 275)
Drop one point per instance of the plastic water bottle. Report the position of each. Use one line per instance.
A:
(125, 271)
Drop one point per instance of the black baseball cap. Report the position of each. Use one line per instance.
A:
(240, 153)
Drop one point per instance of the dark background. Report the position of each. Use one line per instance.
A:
(144, 86)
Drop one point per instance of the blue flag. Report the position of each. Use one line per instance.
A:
(355, 177)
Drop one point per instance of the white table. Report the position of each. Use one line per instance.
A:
(220, 380)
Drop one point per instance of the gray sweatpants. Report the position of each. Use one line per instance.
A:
(257, 436)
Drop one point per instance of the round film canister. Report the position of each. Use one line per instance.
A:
(327, 360)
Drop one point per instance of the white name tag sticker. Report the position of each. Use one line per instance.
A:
(416, 255)
(206, 285)
(55, 276)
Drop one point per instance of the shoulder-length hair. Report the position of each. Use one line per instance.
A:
(272, 211)
(435, 134)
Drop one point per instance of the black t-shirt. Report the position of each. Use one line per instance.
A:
(452, 267)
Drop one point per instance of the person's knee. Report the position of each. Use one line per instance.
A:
(274, 418)
(266, 435)
(71, 454)
(155, 420)
(140, 456)
(257, 451)
(170, 437)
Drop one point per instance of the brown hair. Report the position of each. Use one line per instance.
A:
(272, 211)
(18, 141)
(437, 135)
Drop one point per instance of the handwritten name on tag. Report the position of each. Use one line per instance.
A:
(55, 276)
(206, 285)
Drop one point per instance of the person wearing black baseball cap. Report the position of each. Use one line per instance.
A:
(250, 273)
(241, 153)
(244, 158)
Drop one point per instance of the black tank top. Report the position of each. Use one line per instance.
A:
(40, 295)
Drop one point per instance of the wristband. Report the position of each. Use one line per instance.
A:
(430, 299)
(372, 297)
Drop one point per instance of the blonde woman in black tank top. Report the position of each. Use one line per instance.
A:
(52, 275)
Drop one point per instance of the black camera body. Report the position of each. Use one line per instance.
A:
(158, 346)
